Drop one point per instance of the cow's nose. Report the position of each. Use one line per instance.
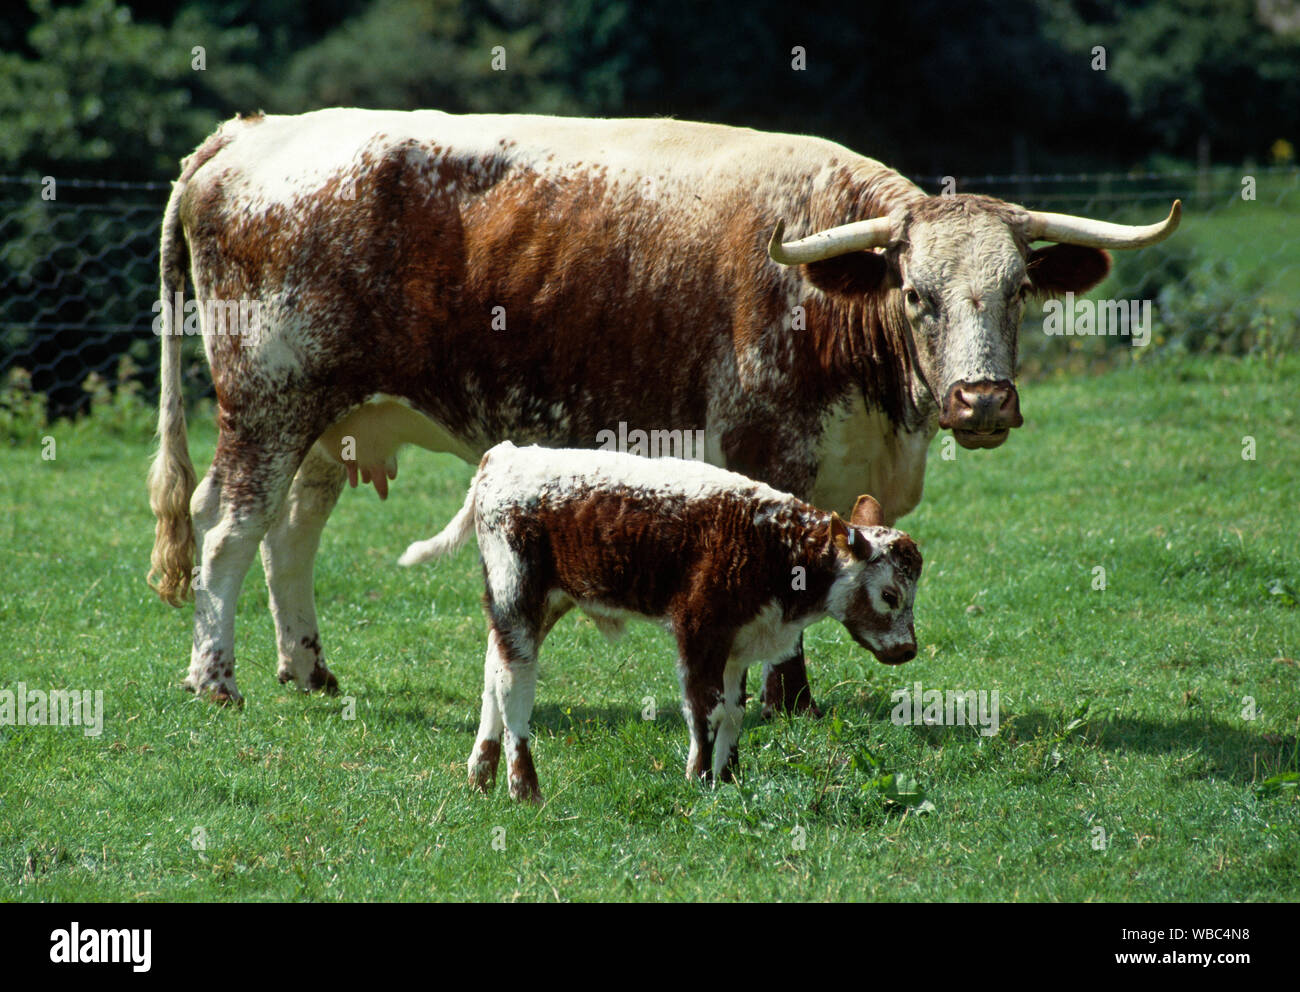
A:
(988, 407)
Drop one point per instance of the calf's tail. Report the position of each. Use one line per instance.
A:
(454, 535)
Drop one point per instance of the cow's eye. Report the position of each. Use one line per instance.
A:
(912, 297)
(891, 598)
(1022, 293)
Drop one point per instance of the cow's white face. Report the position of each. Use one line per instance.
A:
(958, 272)
(963, 284)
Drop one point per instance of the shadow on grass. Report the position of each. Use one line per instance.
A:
(1227, 751)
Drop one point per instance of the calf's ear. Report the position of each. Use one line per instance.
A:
(867, 513)
(848, 541)
(841, 535)
(1059, 269)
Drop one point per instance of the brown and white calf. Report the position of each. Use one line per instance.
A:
(735, 570)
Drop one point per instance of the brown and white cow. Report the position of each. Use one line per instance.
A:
(734, 569)
(453, 281)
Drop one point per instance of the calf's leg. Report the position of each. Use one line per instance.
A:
(516, 683)
(486, 755)
(726, 756)
(700, 668)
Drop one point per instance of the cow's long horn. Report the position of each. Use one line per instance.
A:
(1071, 230)
(831, 242)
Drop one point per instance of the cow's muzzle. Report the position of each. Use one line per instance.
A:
(981, 414)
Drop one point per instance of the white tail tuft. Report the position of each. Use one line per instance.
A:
(171, 478)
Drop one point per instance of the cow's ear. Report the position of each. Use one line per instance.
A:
(1059, 269)
(867, 512)
(855, 274)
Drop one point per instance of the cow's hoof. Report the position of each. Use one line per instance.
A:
(322, 680)
(221, 695)
(801, 705)
(225, 697)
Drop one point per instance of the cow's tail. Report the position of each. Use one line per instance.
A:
(171, 478)
(455, 534)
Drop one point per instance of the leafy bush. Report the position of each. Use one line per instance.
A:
(120, 412)
(116, 409)
(1216, 310)
(22, 412)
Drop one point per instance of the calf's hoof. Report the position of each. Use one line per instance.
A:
(483, 766)
(523, 775)
(526, 792)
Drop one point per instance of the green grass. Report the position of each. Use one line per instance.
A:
(1139, 472)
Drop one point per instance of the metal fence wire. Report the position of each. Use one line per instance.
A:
(79, 268)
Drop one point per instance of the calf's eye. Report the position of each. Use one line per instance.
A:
(891, 598)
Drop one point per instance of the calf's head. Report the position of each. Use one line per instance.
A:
(957, 271)
(873, 593)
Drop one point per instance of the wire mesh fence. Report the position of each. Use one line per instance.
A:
(79, 271)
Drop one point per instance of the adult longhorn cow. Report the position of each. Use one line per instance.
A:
(455, 281)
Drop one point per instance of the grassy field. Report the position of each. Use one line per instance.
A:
(1139, 723)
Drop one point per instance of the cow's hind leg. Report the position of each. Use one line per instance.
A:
(786, 688)
(232, 508)
(288, 558)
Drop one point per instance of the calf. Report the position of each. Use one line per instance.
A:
(735, 569)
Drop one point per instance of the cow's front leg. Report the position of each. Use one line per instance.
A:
(786, 688)
(288, 558)
(231, 508)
